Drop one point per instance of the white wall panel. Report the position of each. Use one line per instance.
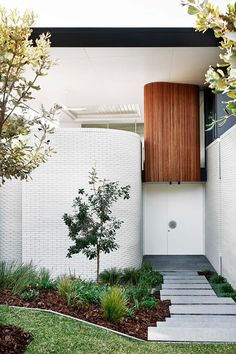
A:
(117, 157)
(182, 203)
(228, 194)
(10, 221)
(213, 216)
(221, 205)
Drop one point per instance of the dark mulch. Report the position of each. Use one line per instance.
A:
(13, 340)
(136, 326)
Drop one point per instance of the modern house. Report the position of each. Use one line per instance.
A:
(135, 106)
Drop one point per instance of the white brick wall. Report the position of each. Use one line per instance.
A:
(117, 157)
(221, 204)
(228, 193)
(212, 228)
(10, 221)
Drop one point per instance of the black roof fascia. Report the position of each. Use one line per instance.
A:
(127, 37)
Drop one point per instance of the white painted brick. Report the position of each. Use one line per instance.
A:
(117, 157)
(10, 221)
(221, 205)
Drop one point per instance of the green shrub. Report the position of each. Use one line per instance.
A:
(137, 293)
(110, 276)
(149, 302)
(17, 277)
(150, 279)
(130, 276)
(44, 280)
(114, 305)
(208, 273)
(89, 292)
(66, 288)
(227, 288)
(31, 294)
(6, 270)
(217, 279)
(146, 267)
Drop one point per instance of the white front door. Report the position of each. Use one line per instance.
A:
(173, 219)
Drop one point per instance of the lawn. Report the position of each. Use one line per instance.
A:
(55, 334)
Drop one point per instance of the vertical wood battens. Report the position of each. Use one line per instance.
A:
(171, 132)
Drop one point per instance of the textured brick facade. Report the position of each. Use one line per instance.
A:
(221, 204)
(117, 157)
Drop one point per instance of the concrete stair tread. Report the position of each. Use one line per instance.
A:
(198, 299)
(201, 318)
(209, 334)
(197, 324)
(183, 277)
(185, 281)
(189, 292)
(186, 286)
(229, 309)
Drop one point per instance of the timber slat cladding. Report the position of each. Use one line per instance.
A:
(171, 132)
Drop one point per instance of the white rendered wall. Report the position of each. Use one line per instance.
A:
(213, 202)
(221, 205)
(10, 221)
(117, 157)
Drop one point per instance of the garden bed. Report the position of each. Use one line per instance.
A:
(136, 326)
(13, 340)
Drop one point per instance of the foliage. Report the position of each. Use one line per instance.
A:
(208, 273)
(217, 279)
(227, 288)
(19, 155)
(66, 288)
(222, 77)
(137, 292)
(88, 292)
(17, 277)
(44, 280)
(111, 276)
(92, 227)
(130, 276)
(114, 305)
(149, 302)
(31, 294)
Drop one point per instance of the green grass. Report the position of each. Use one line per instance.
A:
(54, 334)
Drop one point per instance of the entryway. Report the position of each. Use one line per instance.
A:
(173, 219)
(178, 263)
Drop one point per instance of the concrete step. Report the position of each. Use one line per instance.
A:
(179, 273)
(183, 277)
(201, 318)
(185, 281)
(192, 335)
(198, 299)
(197, 324)
(186, 286)
(204, 309)
(189, 292)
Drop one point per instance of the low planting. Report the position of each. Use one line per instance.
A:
(21, 278)
(123, 299)
(219, 284)
(114, 304)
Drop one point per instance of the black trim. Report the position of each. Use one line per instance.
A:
(127, 37)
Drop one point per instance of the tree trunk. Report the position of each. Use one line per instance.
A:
(98, 262)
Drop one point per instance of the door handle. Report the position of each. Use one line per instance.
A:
(172, 224)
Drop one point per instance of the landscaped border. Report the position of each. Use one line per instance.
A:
(77, 319)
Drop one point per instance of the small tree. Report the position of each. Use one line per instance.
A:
(221, 78)
(18, 53)
(92, 227)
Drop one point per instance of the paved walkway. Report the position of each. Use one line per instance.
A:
(197, 314)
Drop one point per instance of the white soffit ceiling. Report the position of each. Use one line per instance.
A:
(111, 76)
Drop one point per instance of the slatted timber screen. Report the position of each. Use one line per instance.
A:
(171, 132)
